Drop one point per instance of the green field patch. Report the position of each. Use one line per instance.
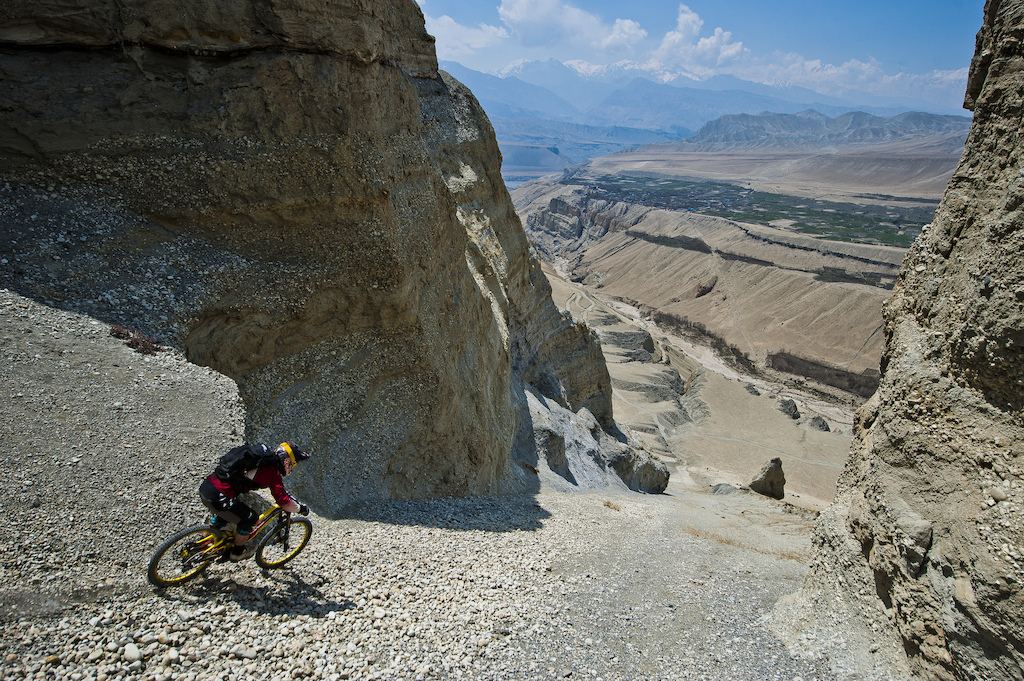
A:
(835, 221)
(838, 274)
(685, 242)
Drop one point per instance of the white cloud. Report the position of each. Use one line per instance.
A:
(684, 49)
(945, 87)
(625, 34)
(541, 29)
(793, 68)
(547, 22)
(688, 25)
(455, 40)
(554, 23)
(683, 52)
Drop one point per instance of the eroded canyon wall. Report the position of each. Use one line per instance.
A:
(925, 540)
(293, 194)
(760, 290)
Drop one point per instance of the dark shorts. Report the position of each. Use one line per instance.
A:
(229, 509)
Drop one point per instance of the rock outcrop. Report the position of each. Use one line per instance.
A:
(770, 480)
(574, 450)
(789, 408)
(925, 541)
(293, 194)
(819, 423)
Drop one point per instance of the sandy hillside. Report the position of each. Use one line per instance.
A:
(766, 292)
(717, 429)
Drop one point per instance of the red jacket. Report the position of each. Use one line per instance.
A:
(263, 477)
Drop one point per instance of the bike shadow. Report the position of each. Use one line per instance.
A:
(281, 592)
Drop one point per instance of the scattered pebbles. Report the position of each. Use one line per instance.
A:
(546, 586)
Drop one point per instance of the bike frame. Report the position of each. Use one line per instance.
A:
(190, 550)
(225, 539)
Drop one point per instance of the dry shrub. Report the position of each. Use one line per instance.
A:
(796, 556)
(136, 340)
(864, 384)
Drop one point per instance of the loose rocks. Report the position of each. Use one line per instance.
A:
(484, 588)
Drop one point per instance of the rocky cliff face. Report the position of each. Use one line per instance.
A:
(926, 539)
(292, 193)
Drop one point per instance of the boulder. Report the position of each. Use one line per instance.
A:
(789, 408)
(819, 423)
(770, 481)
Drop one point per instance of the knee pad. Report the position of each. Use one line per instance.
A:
(246, 524)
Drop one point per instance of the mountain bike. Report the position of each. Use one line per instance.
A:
(277, 535)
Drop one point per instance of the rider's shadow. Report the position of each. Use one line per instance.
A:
(288, 593)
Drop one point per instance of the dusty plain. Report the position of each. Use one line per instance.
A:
(909, 173)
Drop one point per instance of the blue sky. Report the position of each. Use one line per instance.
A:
(887, 48)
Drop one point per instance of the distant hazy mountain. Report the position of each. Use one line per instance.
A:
(810, 130)
(789, 93)
(531, 146)
(643, 104)
(552, 74)
(587, 84)
(564, 111)
(627, 95)
(511, 97)
(539, 132)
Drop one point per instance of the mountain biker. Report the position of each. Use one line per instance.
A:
(244, 469)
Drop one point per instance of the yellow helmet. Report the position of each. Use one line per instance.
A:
(294, 454)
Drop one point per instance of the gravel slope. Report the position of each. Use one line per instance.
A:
(104, 449)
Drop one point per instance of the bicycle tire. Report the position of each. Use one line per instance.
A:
(273, 552)
(184, 556)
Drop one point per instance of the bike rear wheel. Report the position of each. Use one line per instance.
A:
(283, 542)
(184, 556)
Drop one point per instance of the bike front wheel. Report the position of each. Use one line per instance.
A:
(184, 556)
(283, 542)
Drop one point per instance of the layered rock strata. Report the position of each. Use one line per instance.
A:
(292, 193)
(762, 291)
(925, 540)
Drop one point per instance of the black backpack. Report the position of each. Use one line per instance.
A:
(236, 462)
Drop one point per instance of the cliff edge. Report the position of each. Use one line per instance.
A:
(925, 543)
(294, 195)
